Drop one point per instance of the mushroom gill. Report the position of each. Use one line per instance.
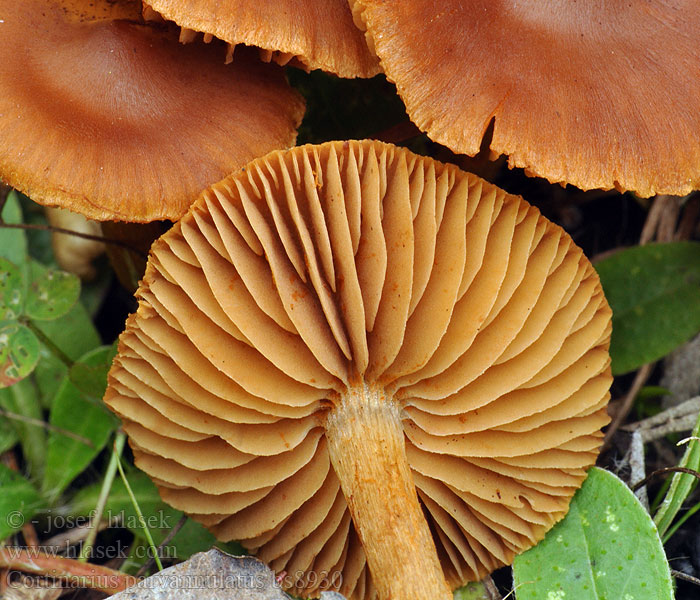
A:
(311, 34)
(381, 374)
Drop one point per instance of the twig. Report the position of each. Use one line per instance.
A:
(681, 417)
(491, 588)
(666, 231)
(685, 576)
(45, 425)
(87, 236)
(635, 456)
(66, 570)
(639, 380)
(171, 534)
(689, 219)
(653, 218)
(662, 471)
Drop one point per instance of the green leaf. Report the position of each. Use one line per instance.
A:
(13, 242)
(75, 335)
(159, 517)
(19, 353)
(22, 400)
(51, 293)
(19, 501)
(607, 548)
(11, 291)
(67, 457)
(91, 378)
(654, 292)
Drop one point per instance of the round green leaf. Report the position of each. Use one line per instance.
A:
(19, 353)
(11, 299)
(654, 293)
(607, 548)
(51, 295)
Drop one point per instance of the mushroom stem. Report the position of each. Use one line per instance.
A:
(366, 444)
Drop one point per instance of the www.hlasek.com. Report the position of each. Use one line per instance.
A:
(99, 552)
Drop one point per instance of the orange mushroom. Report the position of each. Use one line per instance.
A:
(116, 120)
(313, 34)
(596, 94)
(373, 369)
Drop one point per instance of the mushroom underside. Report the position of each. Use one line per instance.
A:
(327, 289)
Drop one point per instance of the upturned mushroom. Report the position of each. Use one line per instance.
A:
(116, 120)
(596, 94)
(312, 34)
(378, 372)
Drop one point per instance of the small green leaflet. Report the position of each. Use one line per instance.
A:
(29, 294)
(654, 293)
(51, 293)
(19, 353)
(607, 548)
(11, 291)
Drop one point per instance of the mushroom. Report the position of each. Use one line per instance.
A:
(116, 120)
(312, 34)
(596, 94)
(373, 369)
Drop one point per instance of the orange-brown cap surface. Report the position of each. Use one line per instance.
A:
(316, 34)
(343, 336)
(116, 120)
(597, 94)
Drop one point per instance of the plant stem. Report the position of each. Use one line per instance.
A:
(137, 508)
(44, 339)
(367, 448)
(104, 494)
(682, 484)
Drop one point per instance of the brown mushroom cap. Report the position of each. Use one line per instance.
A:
(325, 299)
(317, 34)
(116, 120)
(596, 94)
